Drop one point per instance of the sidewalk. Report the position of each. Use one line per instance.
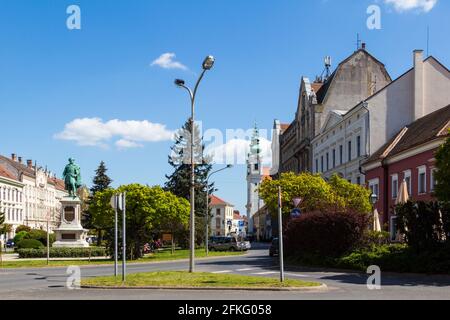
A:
(15, 256)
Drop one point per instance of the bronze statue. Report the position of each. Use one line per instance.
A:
(72, 178)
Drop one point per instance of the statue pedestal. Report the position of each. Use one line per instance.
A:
(70, 233)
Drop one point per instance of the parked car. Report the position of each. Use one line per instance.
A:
(10, 243)
(273, 250)
(227, 244)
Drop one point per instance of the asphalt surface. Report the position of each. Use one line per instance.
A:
(50, 283)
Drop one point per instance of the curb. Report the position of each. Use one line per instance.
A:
(316, 288)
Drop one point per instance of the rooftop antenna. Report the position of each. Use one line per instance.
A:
(428, 41)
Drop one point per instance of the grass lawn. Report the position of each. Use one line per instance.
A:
(160, 256)
(186, 279)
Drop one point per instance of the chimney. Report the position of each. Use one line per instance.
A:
(13, 157)
(30, 164)
(419, 111)
(364, 46)
(20, 160)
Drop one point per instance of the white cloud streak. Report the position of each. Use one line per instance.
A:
(166, 61)
(130, 134)
(408, 5)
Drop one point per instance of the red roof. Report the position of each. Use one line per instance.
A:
(6, 174)
(216, 201)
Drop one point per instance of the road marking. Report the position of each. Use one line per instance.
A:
(265, 273)
(297, 275)
(223, 271)
(247, 269)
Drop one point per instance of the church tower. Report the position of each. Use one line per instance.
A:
(254, 179)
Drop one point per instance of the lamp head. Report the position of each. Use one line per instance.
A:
(373, 198)
(208, 63)
(179, 82)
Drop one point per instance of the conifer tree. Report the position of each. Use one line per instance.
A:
(179, 181)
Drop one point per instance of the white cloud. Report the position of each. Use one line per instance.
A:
(130, 134)
(127, 144)
(235, 151)
(166, 61)
(407, 5)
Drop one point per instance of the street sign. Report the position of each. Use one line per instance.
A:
(297, 201)
(296, 213)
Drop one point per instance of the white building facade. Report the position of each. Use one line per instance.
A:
(348, 138)
(11, 201)
(36, 193)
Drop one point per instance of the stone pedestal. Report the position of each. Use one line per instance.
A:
(70, 233)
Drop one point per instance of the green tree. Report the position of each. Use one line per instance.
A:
(349, 195)
(101, 182)
(148, 211)
(316, 193)
(173, 216)
(179, 181)
(101, 213)
(442, 174)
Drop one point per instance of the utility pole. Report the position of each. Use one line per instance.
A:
(124, 236)
(280, 237)
(116, 202)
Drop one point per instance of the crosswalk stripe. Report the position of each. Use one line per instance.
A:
(247, 269)
(265, 273)
(223, 271)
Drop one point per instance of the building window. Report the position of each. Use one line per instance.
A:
(358, 146)
(358, 180)
(374, 186)
(407, 178)
(321, 164)
(317, 165)
(334, 158)
(341, 154)
(433, 181)
(328, 161)
(422, 179)
(256, 167)
(394, 186)
(349, 151)
(217, 212)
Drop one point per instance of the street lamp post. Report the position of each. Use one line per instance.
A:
(208, 63)
(207, 205)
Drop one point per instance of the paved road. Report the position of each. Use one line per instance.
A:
(50, 283)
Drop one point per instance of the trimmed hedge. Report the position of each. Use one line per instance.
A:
(399, 258)
(63, 252)
(29, 244)
(326, 234)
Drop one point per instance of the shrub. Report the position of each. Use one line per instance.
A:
(19, 236)
(41, 236)
(398, 258)
(23, 228)
(29, 244)
(329, 234)
(421, 224)
(371, 238)
(63, 252)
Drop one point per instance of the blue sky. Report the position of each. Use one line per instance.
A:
(50, 75)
